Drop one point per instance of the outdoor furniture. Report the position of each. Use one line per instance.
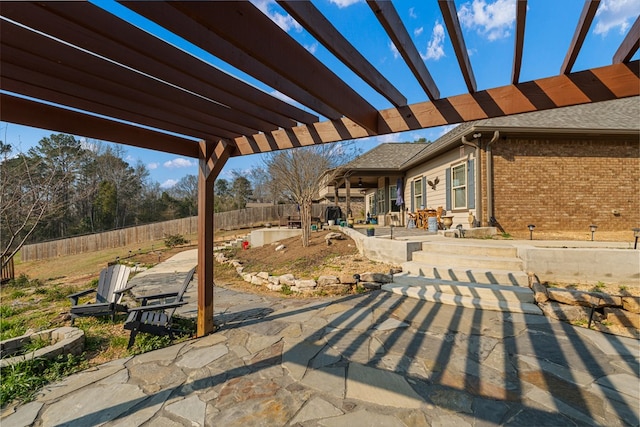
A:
(156, 318)
(111, 286)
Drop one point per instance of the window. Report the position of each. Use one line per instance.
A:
(381, 206)
(371, 202)
(393, 196)
(417, 194)
(459, 186)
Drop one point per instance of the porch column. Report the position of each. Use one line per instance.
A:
(212, 156)
(347, 184)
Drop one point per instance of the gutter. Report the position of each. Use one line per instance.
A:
(476, 144)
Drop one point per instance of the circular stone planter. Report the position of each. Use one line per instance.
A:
(65, 340)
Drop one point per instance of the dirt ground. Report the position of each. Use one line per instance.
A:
(318, 259)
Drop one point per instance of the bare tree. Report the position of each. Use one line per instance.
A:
(28, 192)
(298, 172)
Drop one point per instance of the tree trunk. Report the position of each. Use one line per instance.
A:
(305, 221)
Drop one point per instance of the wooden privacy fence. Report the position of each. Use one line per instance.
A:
(7, 270)
(232, 220)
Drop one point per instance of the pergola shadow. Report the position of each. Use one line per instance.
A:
(495, 371)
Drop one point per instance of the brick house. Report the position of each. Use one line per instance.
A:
(561, 169)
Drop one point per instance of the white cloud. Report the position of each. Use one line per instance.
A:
(418, 31)
(284, 21)
(616, 13)
(344, 3)
(152, 166)
(445, 129)
(178, 163)
(491, 20)
(435, 46)
(394, 50)
(412, 13)
(312, 48)
(168, 183)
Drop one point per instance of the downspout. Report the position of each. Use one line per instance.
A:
(490, 215)
(475, 144)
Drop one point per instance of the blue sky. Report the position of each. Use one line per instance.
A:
(488, 28)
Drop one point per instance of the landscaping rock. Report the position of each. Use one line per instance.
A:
(631, 304)
(327, 280)
(621, 317)
(539, 292)
(287, 279)
(373, 286)
(347, 279)
(247, 277)
(376, 277)
(274, 287)
(307, 283)
(280, 248)
(263, 275)
(334, 236)
(258, 281)
(569, 296)
(567, 313)
(274, 280)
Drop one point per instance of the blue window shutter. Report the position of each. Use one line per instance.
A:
(448, 188)
(413, 208)
(424, 191)
(471, 187)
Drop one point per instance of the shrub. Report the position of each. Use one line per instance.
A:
(173, 240)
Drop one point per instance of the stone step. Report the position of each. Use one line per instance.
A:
(474, 290)
(468, 261)
(424, 294)
(465, 274)
(461, 247)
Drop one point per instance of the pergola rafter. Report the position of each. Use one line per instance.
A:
(77, 68)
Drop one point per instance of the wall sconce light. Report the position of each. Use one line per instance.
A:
(531, 227)
(636, 234)
(363, 191)
(593, 230)
(360, 182)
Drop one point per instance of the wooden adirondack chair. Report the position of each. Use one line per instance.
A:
(111, 287)
(156, 318)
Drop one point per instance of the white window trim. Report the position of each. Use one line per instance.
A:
(417, 194)
(454, 187)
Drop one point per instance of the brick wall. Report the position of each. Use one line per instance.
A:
(566, 184)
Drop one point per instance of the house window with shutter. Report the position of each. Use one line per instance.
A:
(459, 186)
(418, 203)
(381, 206)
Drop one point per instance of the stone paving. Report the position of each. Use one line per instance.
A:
(374, 359)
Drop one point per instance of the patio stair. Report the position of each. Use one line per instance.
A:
(480, 275)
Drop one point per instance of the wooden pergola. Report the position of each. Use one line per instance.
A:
(76, 68)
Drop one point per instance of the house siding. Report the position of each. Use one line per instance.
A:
(565, 185)
(437, 168)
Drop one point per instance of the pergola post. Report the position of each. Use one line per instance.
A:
(212, 156)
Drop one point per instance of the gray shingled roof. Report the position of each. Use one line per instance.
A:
(387, 156)
(620, 115)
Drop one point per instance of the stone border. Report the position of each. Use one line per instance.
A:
(64, 340)
(332, 284)
(571, 305)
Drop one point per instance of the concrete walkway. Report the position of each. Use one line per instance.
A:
(374, 359)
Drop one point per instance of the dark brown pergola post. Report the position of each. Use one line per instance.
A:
(213, 156)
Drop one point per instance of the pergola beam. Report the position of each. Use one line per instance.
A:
(227, 30)
(121, 83)
(450, 17)
(584, 23)
(629, 45)
(87, 26)
(388, 17)
(521, 18)
(598, 84)
(31, 113)
(319, 27)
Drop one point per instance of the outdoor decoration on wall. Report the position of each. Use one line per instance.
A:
(433, 183)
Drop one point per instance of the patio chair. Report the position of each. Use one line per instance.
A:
(157, 318)
(111, 286)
